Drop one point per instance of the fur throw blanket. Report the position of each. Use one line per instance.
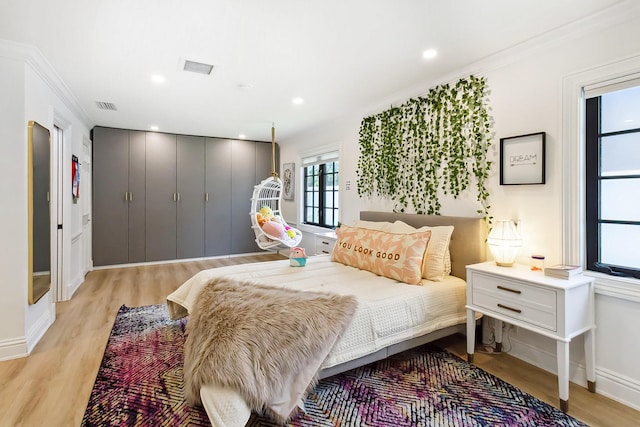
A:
(267, 343)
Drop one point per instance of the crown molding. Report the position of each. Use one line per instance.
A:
(32, 57)
(609, 17)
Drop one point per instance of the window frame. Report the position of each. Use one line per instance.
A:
(574, 87)
(593, 179)
(321, 192)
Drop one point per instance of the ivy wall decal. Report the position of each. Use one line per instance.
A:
(431, 144)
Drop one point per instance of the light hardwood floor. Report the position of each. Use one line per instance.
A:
(51, 387)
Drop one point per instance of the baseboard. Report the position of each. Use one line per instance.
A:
(40, 327)
(13, 348)
(618, 387)
(174, 261)
(88, 268)
(74, 286)
(608, 383)
(546, 360)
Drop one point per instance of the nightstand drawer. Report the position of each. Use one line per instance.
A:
(324, 245)
(512, 289)
(527, 303)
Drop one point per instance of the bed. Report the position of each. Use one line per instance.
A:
(391, 315)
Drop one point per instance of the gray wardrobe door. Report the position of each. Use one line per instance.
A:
(243, 179)
(218, 190)
(110, 207)
(137, 204)
(263, 161)
(190, 185)
(161, 196)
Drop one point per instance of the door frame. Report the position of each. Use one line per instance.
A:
(60, 242)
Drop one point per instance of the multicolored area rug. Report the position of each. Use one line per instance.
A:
(140, 384)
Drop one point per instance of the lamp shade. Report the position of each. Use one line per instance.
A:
(504, 242)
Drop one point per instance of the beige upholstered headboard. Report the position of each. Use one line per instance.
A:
(468, 241)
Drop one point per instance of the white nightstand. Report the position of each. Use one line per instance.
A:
(325, 242)
(557, 308)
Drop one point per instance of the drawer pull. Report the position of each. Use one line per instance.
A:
(515, 291)
(510, 308)
(325, 243)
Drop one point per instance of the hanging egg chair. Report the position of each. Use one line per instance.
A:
(271, 230)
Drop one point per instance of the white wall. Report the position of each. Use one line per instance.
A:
(33, 93)
(526, 86)
(13, 215)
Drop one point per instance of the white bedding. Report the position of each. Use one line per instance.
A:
(388, 312)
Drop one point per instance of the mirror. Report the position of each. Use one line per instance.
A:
(39, 163)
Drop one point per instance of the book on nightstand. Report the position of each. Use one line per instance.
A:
(562, 271)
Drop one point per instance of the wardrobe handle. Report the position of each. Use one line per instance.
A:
(130, 196)
(178, 196)
(174, 197)
(206, 197)
(126, 196)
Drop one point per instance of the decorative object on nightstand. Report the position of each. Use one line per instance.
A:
(537, 262)
(563, 271)
(560, 309)
(504, 242)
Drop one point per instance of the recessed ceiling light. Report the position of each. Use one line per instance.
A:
(153, 128)
(243, 86)
(242, 136)
(157, 78)
(429, 53)
(297, 100)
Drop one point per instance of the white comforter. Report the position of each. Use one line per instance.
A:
(388, 312)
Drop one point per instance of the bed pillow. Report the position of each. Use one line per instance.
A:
(447, 262)
(437, 257)
(374, 225)
(396, 256)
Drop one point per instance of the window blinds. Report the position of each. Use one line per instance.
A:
(319, 159)
(619, 83)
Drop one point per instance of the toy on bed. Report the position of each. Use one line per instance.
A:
(298, 257)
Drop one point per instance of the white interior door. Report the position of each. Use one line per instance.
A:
(56, 213)
(85, 189)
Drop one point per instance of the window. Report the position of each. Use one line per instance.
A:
(321, 190)
(612, 181)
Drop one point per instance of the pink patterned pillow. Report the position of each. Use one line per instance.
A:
(438, 256)
(396, 256)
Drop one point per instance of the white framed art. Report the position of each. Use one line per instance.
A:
(288, 181)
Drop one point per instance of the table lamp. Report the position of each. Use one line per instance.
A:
(504, 242)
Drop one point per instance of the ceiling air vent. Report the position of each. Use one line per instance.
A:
(106, 106)
(197, 67)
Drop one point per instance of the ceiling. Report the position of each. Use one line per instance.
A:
(338, 55)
